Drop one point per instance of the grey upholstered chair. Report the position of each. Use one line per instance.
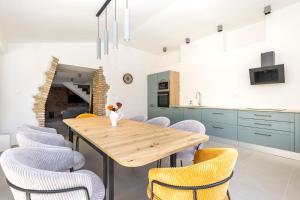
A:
(159, 121)
(36, 174)
(57, 138)
(37, 128)
(33, 139)
(193, 126)
(140, 118)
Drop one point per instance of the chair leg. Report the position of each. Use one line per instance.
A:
(157, 164)
(181, 163)
(160, 163)
(228, 195)
(77, 144)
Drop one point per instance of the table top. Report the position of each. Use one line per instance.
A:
(132, 143)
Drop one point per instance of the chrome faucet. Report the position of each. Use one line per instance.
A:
(198, 96)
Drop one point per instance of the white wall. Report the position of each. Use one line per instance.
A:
(24, 66)
(217, 65)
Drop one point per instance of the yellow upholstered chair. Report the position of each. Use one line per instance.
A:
(207, 179)
(86, 115)
(83, 115)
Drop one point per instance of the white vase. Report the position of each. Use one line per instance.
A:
(115, 117)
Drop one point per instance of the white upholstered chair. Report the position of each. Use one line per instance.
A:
(35, 174)
(140, 118)
(33, 139)
(159, 121)
(27, 127)
(193, 126)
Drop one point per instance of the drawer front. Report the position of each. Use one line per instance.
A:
(270, 138)
(221, 116)
(176, 115)
(221, 130)
(192, 113)
(275, 116)
(274, 125)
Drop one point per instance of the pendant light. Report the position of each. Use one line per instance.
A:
(127, 23)
(115, 29)
(98, 42)
(105, 37)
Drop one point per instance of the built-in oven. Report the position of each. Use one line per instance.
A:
(163, 85)
(163, 99)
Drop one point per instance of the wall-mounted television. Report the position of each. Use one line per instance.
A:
(267, 75)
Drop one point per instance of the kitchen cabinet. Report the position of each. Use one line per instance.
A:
(192, 113)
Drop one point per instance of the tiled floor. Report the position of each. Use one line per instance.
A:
(258, 176)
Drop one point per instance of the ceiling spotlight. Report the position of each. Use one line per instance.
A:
(165, 49)
(187, 40)
(268, 10)
(220, 28)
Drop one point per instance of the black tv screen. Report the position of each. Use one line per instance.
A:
(75, 99)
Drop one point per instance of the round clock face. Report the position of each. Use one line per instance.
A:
(127, 78)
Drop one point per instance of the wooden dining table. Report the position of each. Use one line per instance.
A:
(130, 143)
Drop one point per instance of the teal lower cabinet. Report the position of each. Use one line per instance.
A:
(227, 131)
(163, 112)
(176, 114)
(271, 125)
(220, 115)
(271, 138)
(297, 133)
(192, 113)
(152, 112)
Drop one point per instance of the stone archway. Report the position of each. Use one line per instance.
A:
(100, 89)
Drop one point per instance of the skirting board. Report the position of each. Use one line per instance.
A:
(264, 149)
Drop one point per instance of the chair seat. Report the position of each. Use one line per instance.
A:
(79, 160)
(186, 155)
(98, 186)
(68, 144)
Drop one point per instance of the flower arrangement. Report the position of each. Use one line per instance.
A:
(114, 107)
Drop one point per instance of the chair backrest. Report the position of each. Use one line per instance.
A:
(213, 166)
(140, 118)
(36, 139)
(86, 115)
(190, 125)
(36, 169)
(159, 121)
(37, 128)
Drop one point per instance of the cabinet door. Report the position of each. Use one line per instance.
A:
(176, 115)
(163, 76)
(152, 112)
(163, 112)
(192, 113)
(152, 90)
(297, 133)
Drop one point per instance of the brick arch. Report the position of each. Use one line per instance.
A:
(100, 89)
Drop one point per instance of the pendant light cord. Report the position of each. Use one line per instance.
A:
(126, 3)
(106, 18)
(115, 9)
(98, 27)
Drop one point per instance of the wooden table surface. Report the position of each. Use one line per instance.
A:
(131, 143)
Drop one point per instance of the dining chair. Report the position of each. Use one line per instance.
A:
(159, 121)
(207, 179)
(36, 174)
(139, 118)
(192, 126)
(37, 128)
(83, 115)
(32, 139)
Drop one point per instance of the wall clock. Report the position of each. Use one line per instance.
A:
(127, 78)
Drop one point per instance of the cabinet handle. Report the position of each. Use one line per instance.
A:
(268, 135)
(191, 108)
(257, 115)
(263, 124)
(217, 127)
(218, 113)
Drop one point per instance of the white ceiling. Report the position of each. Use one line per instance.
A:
(155, 23)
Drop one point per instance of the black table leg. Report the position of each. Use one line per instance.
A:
(111, 179)
(173, 160)
(105, 180)
(70, 134)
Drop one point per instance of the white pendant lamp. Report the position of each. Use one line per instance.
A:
(98, 43)
(105, 36)
(127, 23)
(115, 29)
